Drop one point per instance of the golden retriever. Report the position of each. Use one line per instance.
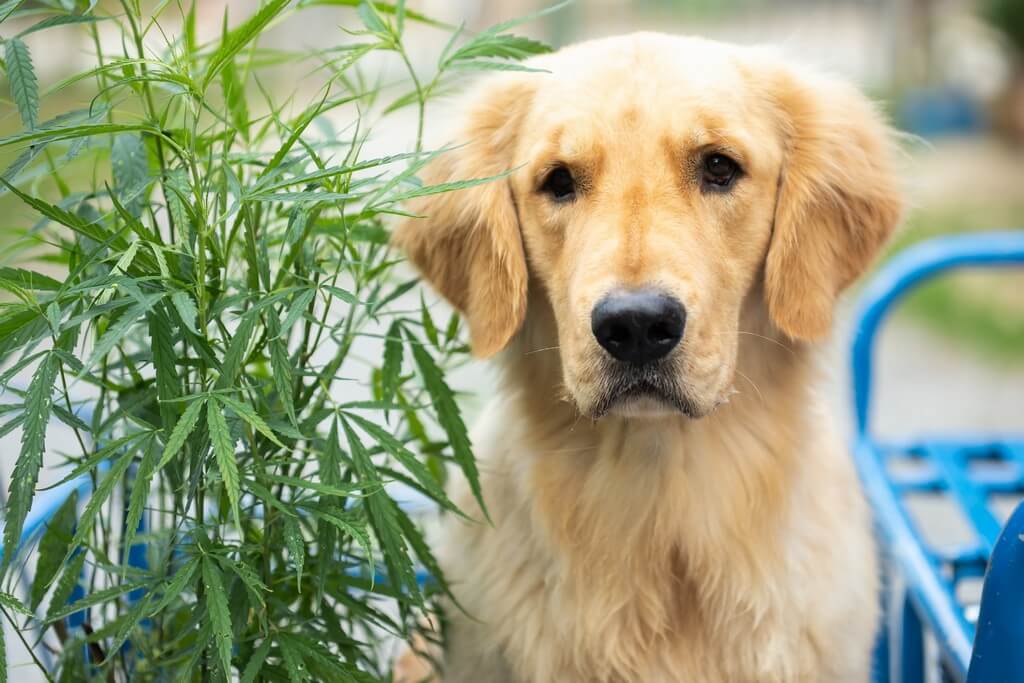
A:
(668, 501)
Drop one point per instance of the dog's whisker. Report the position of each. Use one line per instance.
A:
(760, 396)
(546, 348)
(769, 339)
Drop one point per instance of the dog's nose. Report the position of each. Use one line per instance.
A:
(638, 326)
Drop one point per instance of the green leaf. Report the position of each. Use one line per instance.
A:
(382, 518)
(173, 589)
(164, 359)
(128, 624)
(429, 328)
(350, 526)
(218, 613)
(236, 40)
(7, 8)
(93, 231)
(281, 367)
(83, 130)
(22, 77)
(503, 46)
(403, 455)
(106, 486)
(12, 603)
(139, 494)
(38, 401)
(60, 20)
(186, 309)
(293, 662)
(252, 669)
(27, 279)
(296, 546)
(53, 548)
(95, 598)
(234, 94)
(246, 412)
(69, 578)
(118, 331)
(372, 20)
(186, 423)
(224, 451)
(391, 369)
(235, 355)
(297, 307)
(450, 418)
(130, 167)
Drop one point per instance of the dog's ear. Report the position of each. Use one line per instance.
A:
(838, 198)
(467, 243)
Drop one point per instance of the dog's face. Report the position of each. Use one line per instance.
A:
(657, 184)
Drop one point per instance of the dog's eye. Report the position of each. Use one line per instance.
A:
(719, 171)
(560, 184)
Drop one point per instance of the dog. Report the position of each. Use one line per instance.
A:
(672, 223)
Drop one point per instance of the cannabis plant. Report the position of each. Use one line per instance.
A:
(204, 295)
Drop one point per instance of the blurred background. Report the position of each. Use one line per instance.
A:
(950, 73)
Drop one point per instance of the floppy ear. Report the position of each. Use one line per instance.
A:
(467, 243)
(838, 199)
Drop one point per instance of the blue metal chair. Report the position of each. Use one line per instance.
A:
(922, 581)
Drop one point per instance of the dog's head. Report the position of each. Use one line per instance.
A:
(657, 186)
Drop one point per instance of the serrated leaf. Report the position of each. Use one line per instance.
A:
(172, 589)
(296, 546)
(186, 423)
(7, 8)
(236, 40)
(186, 309)
(449, 417)
(69, 579)
(429, 328)
(235, 354)
(396, 292)
(382, 518)
(95, 598)
(53, 548)
(259, 656)
(247, 413)
(356, 529)
(106, 486)
(224, 452)
(128, 624)
(139, 494)
(119, 330)
(131, 171)
(36, 415)
(164, 359)
(22, 78)
(293, 661)
(27, 279)
(61, 20)
(391, 368)
(218, 614)
(281, 368)
(12, 603)
(403, 455)
(297, 307)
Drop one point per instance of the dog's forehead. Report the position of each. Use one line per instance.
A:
(643, 79)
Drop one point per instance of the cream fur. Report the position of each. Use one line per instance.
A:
(645, 545)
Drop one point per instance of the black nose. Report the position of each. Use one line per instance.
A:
(638, 326)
